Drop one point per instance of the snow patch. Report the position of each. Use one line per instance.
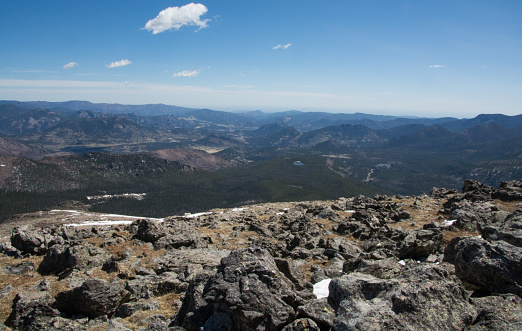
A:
(448, 222)
(100, 223)
(402, 262)
(196, 215)
(137, 196)
(104, 218)
(3, 165)
(321, 289)
(238, 209)
(349, 211)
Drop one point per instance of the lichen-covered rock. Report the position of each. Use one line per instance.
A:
(471, 216)
(21, 268)
(150, 231)
(146, 287)
(509, 231)
(80, 256)
(248, 291)
(302, 324)
(29, 241)
(127, 309)
(386, 268)
(495, 266)
(32, 310)
(94, 298)
(425, 297)
(509, 191)
(497, 313)
(185, 262)
(320, 311)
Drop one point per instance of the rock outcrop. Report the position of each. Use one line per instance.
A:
(446, 261)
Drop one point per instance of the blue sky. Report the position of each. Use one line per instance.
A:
(425, 58)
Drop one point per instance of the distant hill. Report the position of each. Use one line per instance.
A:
(346, 134)
(194, 158)
(85, 131)
(483, 119)
(19, 121)
(12, 147)
(406, 155)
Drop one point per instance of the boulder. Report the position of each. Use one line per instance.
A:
(475, 186)
(473, 215)
(183, 262)
(80, 256)
(21, 268)
(495, 266)
(186, 239)
(498, 313)
(420, 243)
(509, 191)
(248, 292)
(149, 231)
(509, 231)
(293, 273)
(146, 287)
(320, 311)
(440, 193)
(129, 308)
(5, 292)
(32, 310)
(385, 269)
(302, 324)
(424, 297)
(115, 325)
(94, 298)
(29, 241)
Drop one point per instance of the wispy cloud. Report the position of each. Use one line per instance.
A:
(31, 71)
(176, 17)
(437, 66)
(186, 73)
(70, 65)
(117, 64)
(245, 73)
(282, 46)
(238, 86)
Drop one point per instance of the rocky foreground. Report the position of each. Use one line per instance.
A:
(448, 261)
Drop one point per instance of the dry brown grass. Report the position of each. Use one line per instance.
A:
(328, 224)
(23, 282)
(306, 268)
(509, 206)
(167, 309)
(447, 236)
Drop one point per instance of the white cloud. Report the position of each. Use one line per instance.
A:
(70, 65)
(437, 66)
(282, 46)
(176, 17)
(117, 64)
(186, 73)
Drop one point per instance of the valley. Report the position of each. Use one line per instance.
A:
(189, 160)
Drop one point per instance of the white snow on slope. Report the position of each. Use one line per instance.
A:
(448, 222)
(100, 223)
(196, 215)
(321, 288)
(101, 219)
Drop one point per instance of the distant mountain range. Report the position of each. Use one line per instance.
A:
(304, 121)
(234, 158)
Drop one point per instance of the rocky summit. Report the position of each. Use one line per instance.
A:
(450, 260)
